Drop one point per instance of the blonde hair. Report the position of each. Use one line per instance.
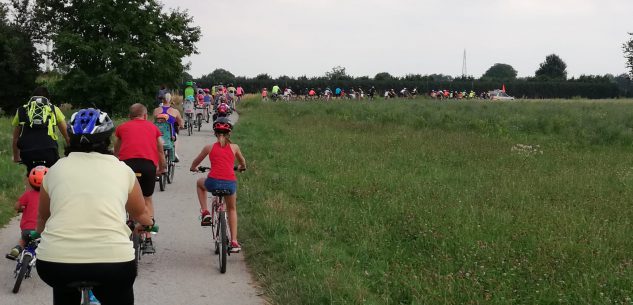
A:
(223, 138)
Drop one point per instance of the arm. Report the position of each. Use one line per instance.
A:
(44, 210)
(205, 152)
(136, 206)
(61, 125)
(117, 147)
(18, 206)
(240, 158)
(16, 150)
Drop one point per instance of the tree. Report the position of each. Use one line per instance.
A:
(500, 71)
(19, 63)
(553, 68)
(116, 52)
(383, 76)
(263, 76)
(628, 54)
(337, 73)
(218, 76)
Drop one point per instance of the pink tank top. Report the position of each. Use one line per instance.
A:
(222, 160)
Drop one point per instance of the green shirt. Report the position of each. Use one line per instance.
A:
(275, 89)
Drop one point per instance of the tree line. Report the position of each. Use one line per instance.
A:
(550, 81)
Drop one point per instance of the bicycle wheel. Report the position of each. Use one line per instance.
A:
(189, 127)
(199, 121)
(161, 182)
(171, 168)
(26, 261)
(224, 241)
(136, 242)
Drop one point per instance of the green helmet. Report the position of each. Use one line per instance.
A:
(189, 83)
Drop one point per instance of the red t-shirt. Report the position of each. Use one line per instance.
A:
(222, 160)
(30, 200)
(138, 140)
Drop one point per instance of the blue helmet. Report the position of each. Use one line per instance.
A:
(90, 126)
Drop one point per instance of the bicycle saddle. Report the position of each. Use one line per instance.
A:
(221, 192)
(82, 284)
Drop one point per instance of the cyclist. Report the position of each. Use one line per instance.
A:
(189, 90)
(275, 92)
(175, 120)
(28, 205)
(34, 136)
(265, 94)
(222, 155)
(139, 144)
(239, 93)
(83, 202)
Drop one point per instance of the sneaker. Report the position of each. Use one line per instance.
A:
(176, 159)
(13, 254)
(148, 248)
(206, 218)
(235, 247)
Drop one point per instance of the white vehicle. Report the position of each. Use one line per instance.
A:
(498, 95)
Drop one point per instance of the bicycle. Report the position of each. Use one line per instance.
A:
(219, 229)
(171, 166)
(25, 261)
(139, 240)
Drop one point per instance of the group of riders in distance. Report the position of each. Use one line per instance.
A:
(95, 256)
(288, 94)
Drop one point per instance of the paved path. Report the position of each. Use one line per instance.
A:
(184, 269)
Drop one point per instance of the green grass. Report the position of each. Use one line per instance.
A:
(422, 202)
(11, 174)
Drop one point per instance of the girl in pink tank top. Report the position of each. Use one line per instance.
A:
(222, 155)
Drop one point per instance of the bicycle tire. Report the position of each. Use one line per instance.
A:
(26, 261)
(171, 168)
(161, 182)
(199, 119)
(136, 242)
(224, 241)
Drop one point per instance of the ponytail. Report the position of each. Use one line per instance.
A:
(224, 139)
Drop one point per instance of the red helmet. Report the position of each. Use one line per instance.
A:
(222, 125)
(223, 108)
(36, 176)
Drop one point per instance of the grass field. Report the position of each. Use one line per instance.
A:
(422, 202)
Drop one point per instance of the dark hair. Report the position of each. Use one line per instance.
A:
(41, 91)
(102, 147)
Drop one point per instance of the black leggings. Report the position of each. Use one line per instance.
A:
(116, 281)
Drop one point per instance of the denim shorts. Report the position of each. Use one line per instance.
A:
(217, 184)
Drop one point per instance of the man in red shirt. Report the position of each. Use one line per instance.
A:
(139, 144)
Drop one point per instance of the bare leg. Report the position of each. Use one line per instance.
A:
(149, 205)
(231, 208)
(202, 194)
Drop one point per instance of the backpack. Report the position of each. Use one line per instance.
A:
(40, 113)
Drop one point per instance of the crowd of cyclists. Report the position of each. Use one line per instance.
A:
(288, 94)
(113, 183)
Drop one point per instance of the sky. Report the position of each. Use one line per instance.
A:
(298, 37)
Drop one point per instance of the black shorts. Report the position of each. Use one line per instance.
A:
(145, 171)
(46, 157)
(115, 281)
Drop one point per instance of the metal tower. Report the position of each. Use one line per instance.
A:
(464, 66)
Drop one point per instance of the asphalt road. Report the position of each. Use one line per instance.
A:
(184, 269)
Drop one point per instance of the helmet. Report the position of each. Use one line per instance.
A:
(222, 125)
(167, 97)
(163, 116)
(37, 175)
(206, 90)
(223, 109)
(189, 83)
(90, 126)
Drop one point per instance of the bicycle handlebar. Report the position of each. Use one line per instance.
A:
(203, 169)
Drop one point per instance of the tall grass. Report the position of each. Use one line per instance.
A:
(11, 174)
(435, 203)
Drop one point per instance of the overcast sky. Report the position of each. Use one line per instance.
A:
(300, 37)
